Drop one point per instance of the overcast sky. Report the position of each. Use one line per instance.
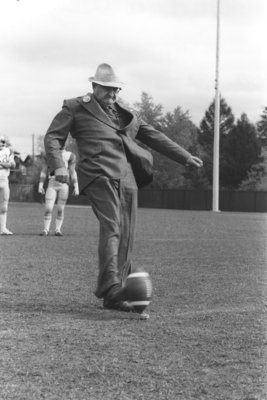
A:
(166, 48)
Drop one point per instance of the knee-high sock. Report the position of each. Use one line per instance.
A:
(47, 222)
(3, 218)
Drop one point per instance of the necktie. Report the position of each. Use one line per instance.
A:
(113, 115)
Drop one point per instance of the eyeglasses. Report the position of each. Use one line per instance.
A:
(111, 89)
(114, 89)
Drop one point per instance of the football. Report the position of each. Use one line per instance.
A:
(139, 290)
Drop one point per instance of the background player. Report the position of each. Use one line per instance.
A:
(6, 162)
(57, 192)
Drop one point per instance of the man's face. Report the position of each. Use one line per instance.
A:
(106, 95)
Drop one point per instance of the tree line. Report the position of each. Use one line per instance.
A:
(243, 148)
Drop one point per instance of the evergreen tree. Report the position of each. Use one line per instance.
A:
(242, 150)
(257, 176)
(206, 135)
(148, 111)
(206, 129)
(177, 126)
(262, 128)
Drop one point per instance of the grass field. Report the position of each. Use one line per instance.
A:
(206, 336)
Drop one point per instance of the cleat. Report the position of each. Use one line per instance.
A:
(58, 233)
(44, 233)
(6, 232)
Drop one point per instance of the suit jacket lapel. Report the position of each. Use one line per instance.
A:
(89, 103)
(95, 109)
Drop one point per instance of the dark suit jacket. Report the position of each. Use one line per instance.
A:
(101, 145)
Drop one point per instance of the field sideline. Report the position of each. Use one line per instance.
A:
(206, 338)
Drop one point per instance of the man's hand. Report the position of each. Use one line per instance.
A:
(194, 162)
(75, 190)
(61, 175)
(41, 188)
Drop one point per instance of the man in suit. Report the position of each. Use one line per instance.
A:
(105, 134)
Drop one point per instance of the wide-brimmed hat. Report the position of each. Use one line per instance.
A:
(106, 76)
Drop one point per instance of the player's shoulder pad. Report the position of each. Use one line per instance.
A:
(7, 150)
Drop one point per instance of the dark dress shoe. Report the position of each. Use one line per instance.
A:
(119, 306)
(115, 294)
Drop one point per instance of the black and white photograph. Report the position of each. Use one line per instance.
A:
(133, 200)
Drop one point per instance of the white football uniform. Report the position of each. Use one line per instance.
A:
(58, 190)
(58, 193)
(6, 156)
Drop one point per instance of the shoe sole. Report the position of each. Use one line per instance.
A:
(118, 307)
